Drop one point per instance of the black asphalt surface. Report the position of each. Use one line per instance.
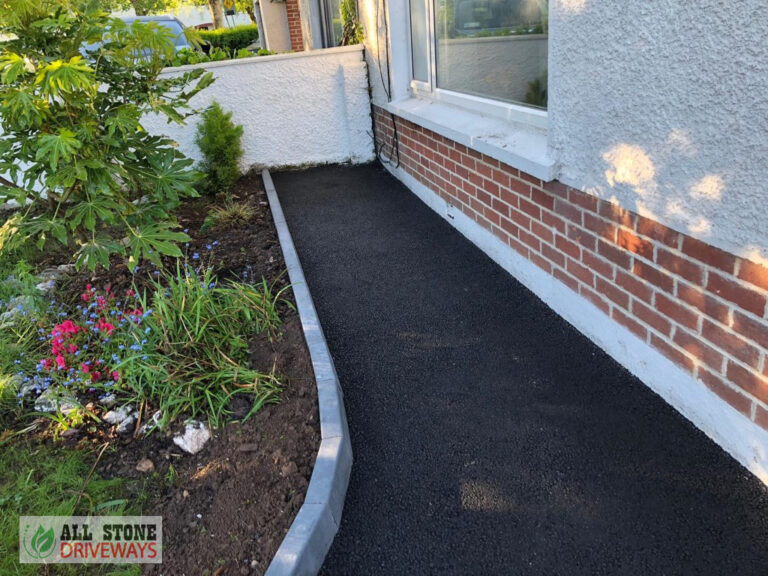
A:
(489, 436)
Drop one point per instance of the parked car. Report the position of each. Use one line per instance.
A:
(171, 22)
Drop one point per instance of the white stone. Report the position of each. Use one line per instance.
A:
(13, 308)
(47, 286)
(108, 401)
(152, 423)
(195, 435)
(124, 418)
(50, 401)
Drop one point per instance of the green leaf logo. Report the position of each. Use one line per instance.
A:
(42, 544)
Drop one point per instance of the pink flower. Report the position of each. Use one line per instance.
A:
(66, 327)
(47, 363)
(85, 368)
(130, 294)
(115, 375)
(61, 363)
(95, 376)
(71, 348)
(105, 326)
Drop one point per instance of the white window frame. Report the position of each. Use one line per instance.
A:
(515, 113)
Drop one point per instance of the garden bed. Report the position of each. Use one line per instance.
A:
(226, 508)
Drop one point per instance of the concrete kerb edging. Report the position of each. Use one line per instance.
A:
(309, 538)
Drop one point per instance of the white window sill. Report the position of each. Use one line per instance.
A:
(524, 148)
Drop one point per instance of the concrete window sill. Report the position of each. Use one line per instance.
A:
(521, 147)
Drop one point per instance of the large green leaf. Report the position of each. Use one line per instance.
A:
(152, 240)
(52, 147)
(94, 208)
(97, 253)
(60, 78)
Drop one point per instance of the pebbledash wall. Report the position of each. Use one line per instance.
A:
(306, 108)
(644, 223)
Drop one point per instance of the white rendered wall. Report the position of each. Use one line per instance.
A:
(304, 108)
(663, 106)
(660, 106)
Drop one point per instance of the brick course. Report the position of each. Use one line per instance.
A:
(294, 25)
(700, 306)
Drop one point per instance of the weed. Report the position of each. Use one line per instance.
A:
(230, 215)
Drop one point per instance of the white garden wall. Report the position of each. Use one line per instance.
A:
(305, 108)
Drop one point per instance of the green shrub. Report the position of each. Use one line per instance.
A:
(231, 39)
(79, 161)
(191, 56)
(219, 140)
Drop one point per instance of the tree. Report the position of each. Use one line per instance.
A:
(217, 13)
(74, 86)
(240, 5)
(141, 7)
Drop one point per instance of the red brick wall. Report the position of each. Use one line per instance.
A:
(294, 25)
(703, 308)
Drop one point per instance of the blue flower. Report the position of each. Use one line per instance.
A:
(195, 256)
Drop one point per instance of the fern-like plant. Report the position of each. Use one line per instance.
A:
(75, 84)
(220, 142)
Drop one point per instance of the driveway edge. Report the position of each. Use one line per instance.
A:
(309, 538)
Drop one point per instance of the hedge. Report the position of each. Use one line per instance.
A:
(231, 39)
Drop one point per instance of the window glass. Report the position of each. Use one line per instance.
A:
(419, 40)
(493, 48)
(334, 31)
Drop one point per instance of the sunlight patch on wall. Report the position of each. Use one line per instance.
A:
(370, 25)
(755, 255)
(708, 188)
(629, 165)
(572, 6)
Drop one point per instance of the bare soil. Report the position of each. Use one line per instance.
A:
(226, 509)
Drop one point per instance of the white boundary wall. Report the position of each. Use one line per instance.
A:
(305, 108)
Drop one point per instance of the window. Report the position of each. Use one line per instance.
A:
(494, 49)
(332, 27)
